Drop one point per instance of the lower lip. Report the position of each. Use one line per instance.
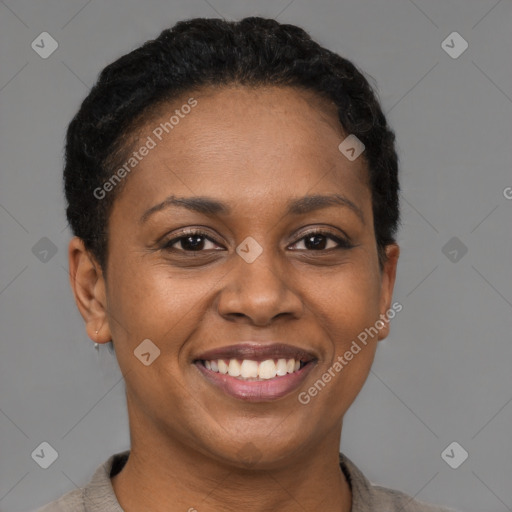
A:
(257, 391)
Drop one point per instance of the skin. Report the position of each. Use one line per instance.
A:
(252, 149)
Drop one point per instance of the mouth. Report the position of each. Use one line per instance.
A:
(255, 372)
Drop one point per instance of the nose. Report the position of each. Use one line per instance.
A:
(258, 292)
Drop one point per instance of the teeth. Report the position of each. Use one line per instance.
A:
(281, 367)
(234, 368)
(248, 369)
(223, 367)
(267, 369)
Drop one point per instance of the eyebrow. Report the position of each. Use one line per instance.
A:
(209, 206)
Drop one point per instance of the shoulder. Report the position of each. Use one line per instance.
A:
(367, 496)
(396, 500)
(97, 496)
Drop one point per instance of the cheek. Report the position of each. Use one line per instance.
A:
(347, 307)
(345, 302)
(147, 302)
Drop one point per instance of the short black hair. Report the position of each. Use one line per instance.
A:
(199, 52)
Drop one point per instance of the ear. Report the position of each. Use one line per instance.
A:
(88, 285)
(388, 275)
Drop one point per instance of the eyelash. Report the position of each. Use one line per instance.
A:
(342, 243)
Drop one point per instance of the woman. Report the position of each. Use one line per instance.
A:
(233, 190)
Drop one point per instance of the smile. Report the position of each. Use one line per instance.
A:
(255, 372)
(250, 370)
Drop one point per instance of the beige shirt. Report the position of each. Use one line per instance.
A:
(98, 495)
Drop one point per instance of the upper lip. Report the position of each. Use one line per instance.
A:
(257, 351)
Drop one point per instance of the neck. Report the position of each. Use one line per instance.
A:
(160, 472)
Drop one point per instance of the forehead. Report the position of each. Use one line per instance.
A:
(243, 143)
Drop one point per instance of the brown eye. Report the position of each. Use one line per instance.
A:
(194, 241)
(323, 240)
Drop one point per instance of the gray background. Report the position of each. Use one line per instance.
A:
(443, 375)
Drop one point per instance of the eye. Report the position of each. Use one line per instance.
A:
(191, 241)
(197, 241)
(319, 241)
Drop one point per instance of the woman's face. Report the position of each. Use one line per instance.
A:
(257, 275)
